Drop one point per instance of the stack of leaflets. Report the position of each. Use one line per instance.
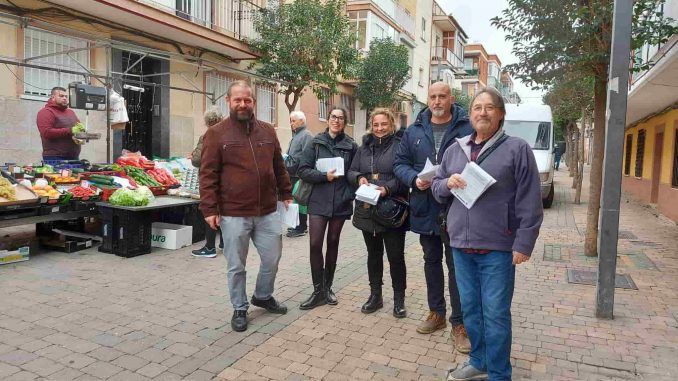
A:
(326, 165)
(290, 215)
(368, 193)
(477, 182)
(428, 172)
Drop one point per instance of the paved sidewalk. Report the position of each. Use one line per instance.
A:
(165, 316)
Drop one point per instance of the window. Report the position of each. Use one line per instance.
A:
(218, 84)
(423, 29)
(627, 154)
(640, 152)
(266, 100)
(359, 24)
(674, 179)
(348, 102)
(325, 103)
(421, 77)
(468, 64)
(39, 42)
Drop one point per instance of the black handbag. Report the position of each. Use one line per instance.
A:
(442, 216)
(391, 212)
(303, 193)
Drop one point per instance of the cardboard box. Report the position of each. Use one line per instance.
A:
(171, 236)
(19, 255)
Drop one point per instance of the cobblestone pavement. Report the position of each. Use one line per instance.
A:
(165, 316)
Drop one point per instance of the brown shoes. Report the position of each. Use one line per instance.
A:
(460, 337)
(433, 322)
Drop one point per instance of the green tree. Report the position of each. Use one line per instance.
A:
(462, 99)
(305, 43)
(382, 73)
(552, 39)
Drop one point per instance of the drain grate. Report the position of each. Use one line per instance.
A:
(590, 277)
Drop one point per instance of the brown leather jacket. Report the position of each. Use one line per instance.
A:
(241, 174)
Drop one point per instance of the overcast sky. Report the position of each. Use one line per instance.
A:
(474, 17)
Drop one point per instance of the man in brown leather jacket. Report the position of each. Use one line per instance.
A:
(242, 177)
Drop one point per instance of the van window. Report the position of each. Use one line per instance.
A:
(536, 134)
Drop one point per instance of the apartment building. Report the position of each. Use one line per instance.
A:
(506, 89)
(650, 165)
(447, 48)
(476, 62)
(169, 60)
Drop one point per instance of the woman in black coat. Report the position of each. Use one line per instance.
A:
(329, 206)
(373, 164)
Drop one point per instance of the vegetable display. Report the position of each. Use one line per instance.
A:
(129, 197)
(141, 177)
(163, 177)
(80, 192)
(46, 191)
(135, 161)
(7, 190)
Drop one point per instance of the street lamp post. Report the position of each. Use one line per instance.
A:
(617, 90)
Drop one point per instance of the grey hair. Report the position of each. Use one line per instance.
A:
(212, 116)
(298, 115)
(497, 99)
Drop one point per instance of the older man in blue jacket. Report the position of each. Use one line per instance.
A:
(434, 130)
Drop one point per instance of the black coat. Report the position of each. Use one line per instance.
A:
(328, 199)
(376, 156)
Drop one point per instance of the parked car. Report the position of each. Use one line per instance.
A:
(534, 123)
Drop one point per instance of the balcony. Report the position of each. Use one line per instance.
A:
(471, 73)
(399, 18)
(406, 21)
(217, 25)
(442, 20)
(445, 56)
(225, 16)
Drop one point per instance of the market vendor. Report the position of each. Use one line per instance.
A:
(58, 125)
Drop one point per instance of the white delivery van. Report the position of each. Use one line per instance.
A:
(534, 123)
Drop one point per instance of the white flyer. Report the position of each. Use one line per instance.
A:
(368, 193)
(428, 172)
(326, 165)
(477, 182)
(289, 216)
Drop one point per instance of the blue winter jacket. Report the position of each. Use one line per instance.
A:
(416, 146)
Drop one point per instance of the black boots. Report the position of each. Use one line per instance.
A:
(399, 310)
(329, 278)
(374, 302)
(318, 297)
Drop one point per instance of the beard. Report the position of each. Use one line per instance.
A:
(438, 113)
(241, 115)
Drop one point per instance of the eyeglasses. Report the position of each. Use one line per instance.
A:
(487, 108)
(335, 117)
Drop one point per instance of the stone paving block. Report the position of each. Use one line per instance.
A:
(7, 370)
(130, 362)
(229, 374)
(102, 369)
(76, 360)
(22, 376)
(151, 370)
(17, 357)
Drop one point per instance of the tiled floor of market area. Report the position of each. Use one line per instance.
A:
(165, 316)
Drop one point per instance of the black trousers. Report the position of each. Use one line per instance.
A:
(435, 277)
(394, 242)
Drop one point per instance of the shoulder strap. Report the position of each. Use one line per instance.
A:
(487, 153)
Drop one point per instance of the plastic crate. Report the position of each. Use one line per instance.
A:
(125, 233)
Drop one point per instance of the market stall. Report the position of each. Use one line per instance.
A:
(125, 198)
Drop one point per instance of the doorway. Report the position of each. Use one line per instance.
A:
(656, 166)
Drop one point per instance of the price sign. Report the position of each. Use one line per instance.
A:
(65, 173)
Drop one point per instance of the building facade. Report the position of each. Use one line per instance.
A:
(650, 167)
(169, 60)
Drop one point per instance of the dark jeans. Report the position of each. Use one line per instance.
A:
(394, 241)
(435, 278)
(317, 227)
(556, 162)
(211, 236)
(486, 286)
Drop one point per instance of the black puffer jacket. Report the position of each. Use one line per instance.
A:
(376, 156)
(328, 199)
